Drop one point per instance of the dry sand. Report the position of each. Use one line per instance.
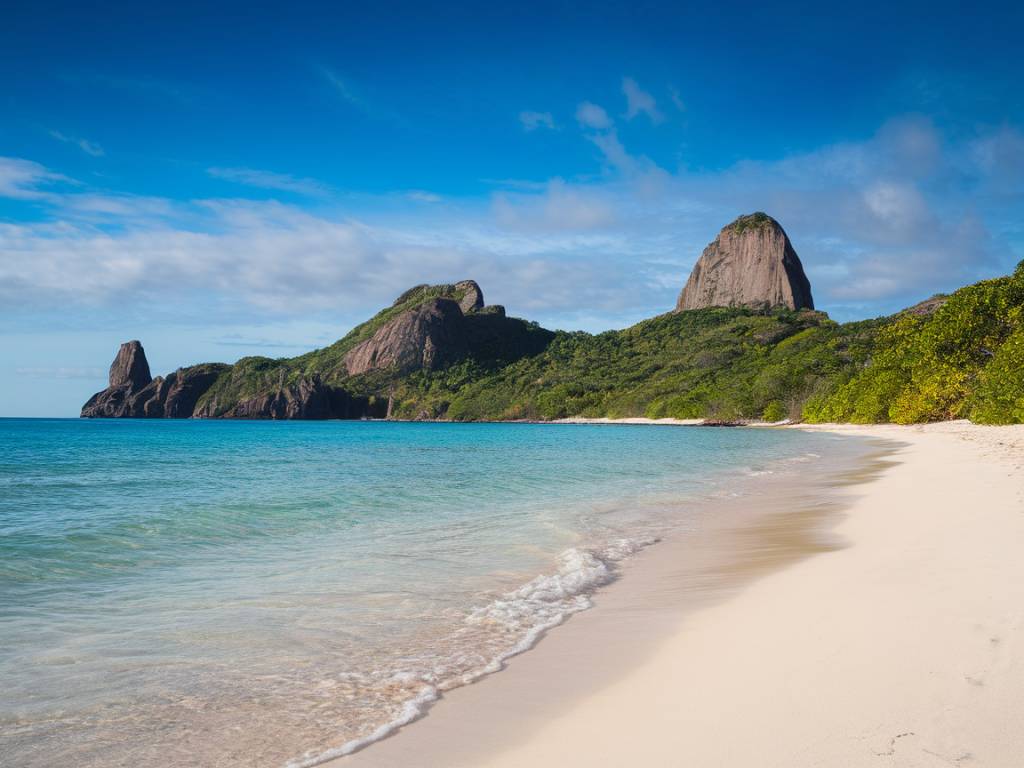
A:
(895, 640)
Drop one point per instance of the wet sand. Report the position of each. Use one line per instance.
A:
(516, 717)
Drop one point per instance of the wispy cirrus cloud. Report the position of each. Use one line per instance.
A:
(89, 147)
(639, 101)
(27, 180)
(284, 182)
(676, 98)
(423, 196)
(533, 120)
(343, 88)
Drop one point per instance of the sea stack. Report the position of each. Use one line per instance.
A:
(750, 264)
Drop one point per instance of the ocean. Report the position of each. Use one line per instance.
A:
(227, 593)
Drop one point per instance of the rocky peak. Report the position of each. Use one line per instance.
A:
(426, 336)
(750, 264)
(466, 293)
(130, 366)
(472, 297)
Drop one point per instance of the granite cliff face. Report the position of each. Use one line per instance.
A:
(129, 378)
(308, 398)
(426, 337)
(130, 368)
(750, 264)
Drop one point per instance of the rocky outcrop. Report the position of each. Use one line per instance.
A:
(425, 337)
(308, 398)
(750, 264)
(473, 297)
(928, 306)
(134, 394)
(129, 379)
(176, 396)
(130, 367)
(427, 328)
(467, 293)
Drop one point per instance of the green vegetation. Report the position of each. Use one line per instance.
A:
(759, 220)
(965, 360)
(955, 357)
(722, 363)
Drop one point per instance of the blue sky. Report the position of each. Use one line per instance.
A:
(255, 180)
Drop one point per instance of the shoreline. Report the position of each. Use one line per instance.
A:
(730, 547)
(760, 663)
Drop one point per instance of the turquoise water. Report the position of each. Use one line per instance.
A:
(271, 593)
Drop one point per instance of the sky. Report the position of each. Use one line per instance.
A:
(221, 180)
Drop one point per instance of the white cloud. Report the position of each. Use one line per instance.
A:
(896, 206)
(423, 196)
(879, 223)
(640, 101)
(533, 120)
(27, 180)
(561, 208)
(89, 147)
(613, 151)
(283, 182)
(592, 116)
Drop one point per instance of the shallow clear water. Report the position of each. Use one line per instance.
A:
(266, 593)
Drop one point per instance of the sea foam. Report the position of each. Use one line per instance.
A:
(524, 614)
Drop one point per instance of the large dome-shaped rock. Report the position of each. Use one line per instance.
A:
(750, 264)
(427, 336)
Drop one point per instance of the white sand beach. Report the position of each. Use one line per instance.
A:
(889, 632)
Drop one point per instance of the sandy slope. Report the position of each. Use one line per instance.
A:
(904, 648)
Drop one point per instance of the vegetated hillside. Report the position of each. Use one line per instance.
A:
(960, 356)
(439, 353)
(964, 360)
(717, 362)
(484, 339)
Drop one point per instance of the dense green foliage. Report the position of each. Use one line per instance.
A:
(949, 357)
(723, 363)
(965, 360)
(757, 220)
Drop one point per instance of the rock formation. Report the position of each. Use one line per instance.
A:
(130, 367)
(176, 396)
(427, 328)
(750, 264)
(129, 378)
(309, 398)
(425, 337)
(473, 299)
(132, 393)
(466, 292)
